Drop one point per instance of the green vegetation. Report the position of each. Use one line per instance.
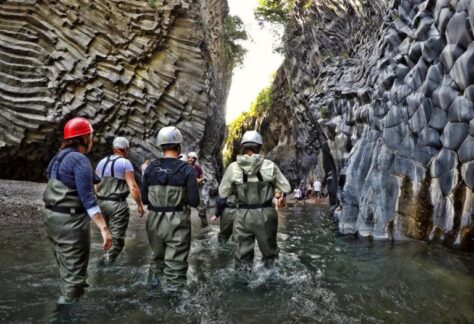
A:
(246, 120)
(279, 11)
(274, 11)
(234, 32)
(278, 14)
(324, 112)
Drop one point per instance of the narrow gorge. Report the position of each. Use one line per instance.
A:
(374, 96)
(379, 95)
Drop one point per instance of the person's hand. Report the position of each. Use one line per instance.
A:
(106, 238)
(141, 211)
(213, 218)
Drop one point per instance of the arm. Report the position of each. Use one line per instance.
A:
(281, 183)
(226, 188)
(220, 206)
(192, 188)
(99, 221)
(83, 176)
(133, 187)
(200, 177)
(144, 189)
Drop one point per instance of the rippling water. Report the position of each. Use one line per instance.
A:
(321, 277)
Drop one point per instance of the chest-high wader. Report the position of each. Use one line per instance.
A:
(68, 229)
(168, 227)
(112, 194)
(227, 219)
(256, 218)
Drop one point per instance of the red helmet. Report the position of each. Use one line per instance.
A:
(77, 126)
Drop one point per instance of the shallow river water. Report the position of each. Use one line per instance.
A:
(321, 277)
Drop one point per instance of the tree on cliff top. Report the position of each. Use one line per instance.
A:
(235, 32)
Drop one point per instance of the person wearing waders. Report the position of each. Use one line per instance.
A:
(117, 182)
(225, 210)
(253, 180)
(192, 159)
(169, 188)
(70, 204)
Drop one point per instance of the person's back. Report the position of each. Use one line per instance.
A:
(253, 180)
(117, 181)
(169, 188)
(70, 205)
(317, 189)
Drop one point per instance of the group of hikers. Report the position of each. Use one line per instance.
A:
(312, 190)
(75, 194)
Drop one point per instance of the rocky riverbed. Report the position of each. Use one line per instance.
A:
(20, 204)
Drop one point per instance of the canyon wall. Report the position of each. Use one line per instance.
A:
(381, 94)
(129, 66)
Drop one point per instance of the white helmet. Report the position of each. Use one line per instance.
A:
(252, 137)
(193, 155)
(121, 143)
(169, 135)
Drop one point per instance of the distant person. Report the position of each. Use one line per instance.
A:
(169, 188)
(117, 182)
(70, 205)
(148, 158)
(317, 189)
(280, 199)
(297, 195)
(309, 190)
(253, 180)
(202, 208)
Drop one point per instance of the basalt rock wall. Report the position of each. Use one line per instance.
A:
(130, 66)
(384, 92)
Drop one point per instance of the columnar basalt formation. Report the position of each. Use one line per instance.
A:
(388, 87)
(130, 66)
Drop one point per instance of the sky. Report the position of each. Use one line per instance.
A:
(259, 63)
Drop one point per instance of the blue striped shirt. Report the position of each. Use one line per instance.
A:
(76, 173)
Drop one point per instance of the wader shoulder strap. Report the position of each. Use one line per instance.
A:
(112, 172)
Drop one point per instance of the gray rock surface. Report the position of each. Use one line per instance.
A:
(400, 76)
(130, 66)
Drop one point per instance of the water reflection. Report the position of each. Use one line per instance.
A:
(320, 277)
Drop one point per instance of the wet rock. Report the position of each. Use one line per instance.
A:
(449, 55)
(443, 96)
(418, 121)
(466, 151)
(415, 51)
(439, 118)
(467, 173)
(433, 80)
(457, 30)
(454, 135)
(463, 5)
(463, 70)
(445, 161)
(444, 17)
(471, 15)
(423, 28)
(471, 128)
(429, 137)
(461, 110)
(432, 48)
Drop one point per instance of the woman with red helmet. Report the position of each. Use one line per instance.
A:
(70, 204)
